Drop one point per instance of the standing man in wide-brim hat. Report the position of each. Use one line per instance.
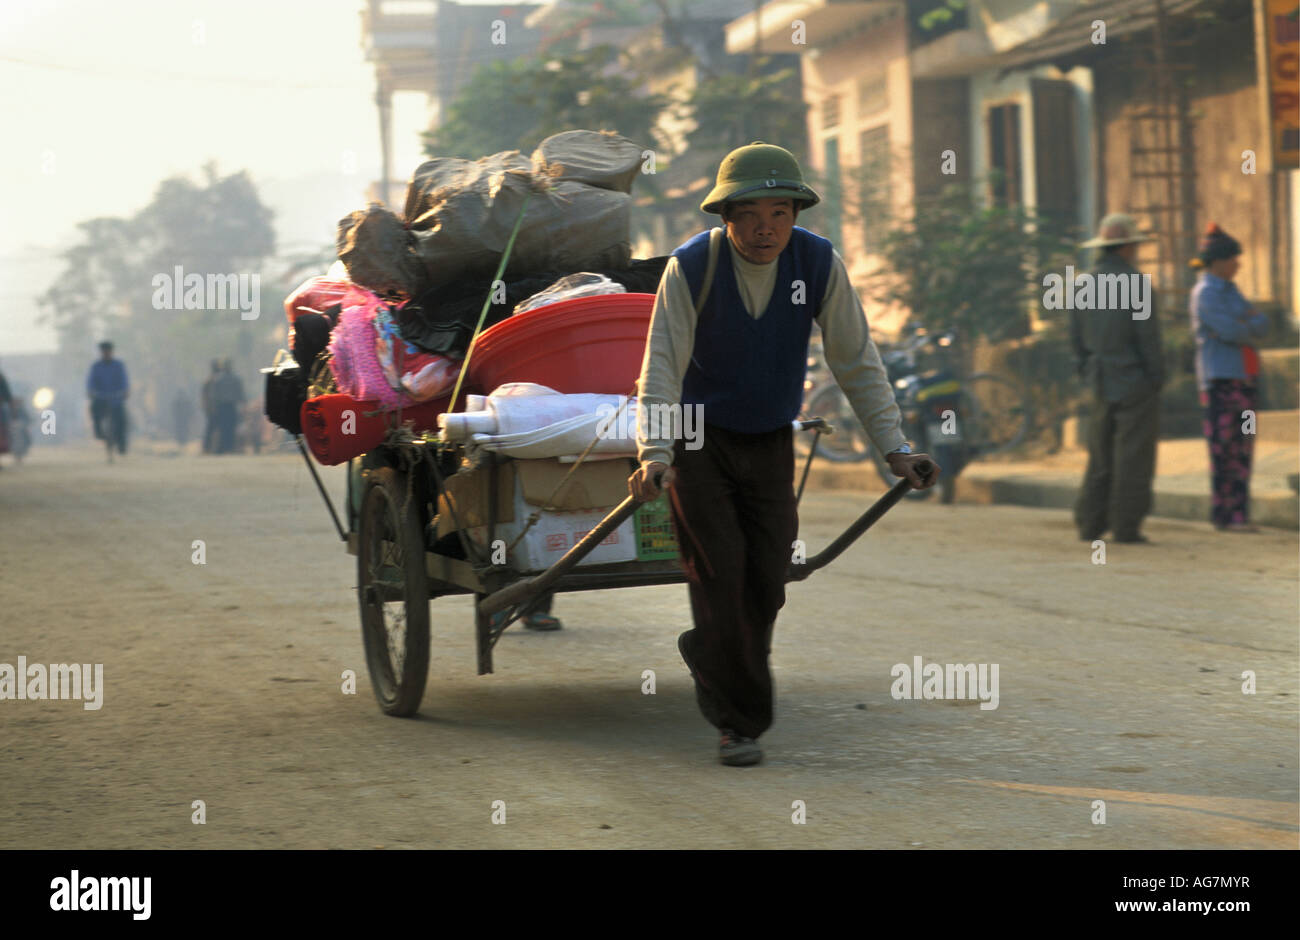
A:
(1120, 359)
(734, 347)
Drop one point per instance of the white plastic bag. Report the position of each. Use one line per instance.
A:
(522, 419)
(582, 284)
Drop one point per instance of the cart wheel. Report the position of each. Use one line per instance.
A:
(393, 590)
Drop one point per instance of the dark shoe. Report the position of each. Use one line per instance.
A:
(542, 622)
(736, 750)
(681, 648)
(1137, 539)
(1090, 538)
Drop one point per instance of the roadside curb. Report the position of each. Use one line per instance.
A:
(995, 486)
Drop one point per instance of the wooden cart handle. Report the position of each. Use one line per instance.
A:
(854, 532)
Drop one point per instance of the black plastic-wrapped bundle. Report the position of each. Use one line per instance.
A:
(442, 320)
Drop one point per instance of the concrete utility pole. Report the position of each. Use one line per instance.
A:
(384, 102)
(753, 61)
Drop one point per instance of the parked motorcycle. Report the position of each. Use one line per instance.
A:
(951, 419)
(20, 431)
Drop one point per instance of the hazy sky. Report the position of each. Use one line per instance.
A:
(100, 100)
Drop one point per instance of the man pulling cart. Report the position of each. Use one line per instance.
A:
(729, 336)
(725, 337)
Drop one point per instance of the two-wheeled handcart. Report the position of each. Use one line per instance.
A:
(395, 493)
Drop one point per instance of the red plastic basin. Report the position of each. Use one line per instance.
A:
(590, 344)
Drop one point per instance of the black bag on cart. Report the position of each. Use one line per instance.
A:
(286, 390)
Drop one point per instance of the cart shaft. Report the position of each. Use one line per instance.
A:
(854, 532)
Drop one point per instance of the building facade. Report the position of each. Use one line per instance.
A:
(1070, 108)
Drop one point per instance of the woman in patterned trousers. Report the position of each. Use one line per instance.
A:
(1227, 366)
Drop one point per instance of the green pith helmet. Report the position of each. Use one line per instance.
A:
(760, 171)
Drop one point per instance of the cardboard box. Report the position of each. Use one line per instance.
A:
(467, 493)
(523, 487)
(600, 483)
(557, 532)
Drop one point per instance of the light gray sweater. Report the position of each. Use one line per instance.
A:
(850, 352)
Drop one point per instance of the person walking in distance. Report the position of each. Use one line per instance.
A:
(1120, 360)
(182, 413)
(227, 395)
(8, 411)
(108, 388)
(209, 410)
(735, 349)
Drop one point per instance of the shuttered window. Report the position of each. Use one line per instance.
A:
(873, 184)
(1055, 172)
(873, 95)
(831, 113)
(1004, 154)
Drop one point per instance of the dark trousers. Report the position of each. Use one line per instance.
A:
(733, 510)
(1116, 492)
(1231, 450)
(109, 418)
(227, 422)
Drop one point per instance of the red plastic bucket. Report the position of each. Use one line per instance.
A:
(589, 344)
(338, 427)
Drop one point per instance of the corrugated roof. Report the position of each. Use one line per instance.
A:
(1073, 32)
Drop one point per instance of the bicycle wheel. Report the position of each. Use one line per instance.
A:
(994, 413)
(849, 443)
(121, 427)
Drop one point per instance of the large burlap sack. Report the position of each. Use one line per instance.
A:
(379, 253)
(460, 214)
(598, 158)
(441, 179)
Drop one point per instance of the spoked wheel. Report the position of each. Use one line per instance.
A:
(849, 443)
(995, 414)
(393, 590)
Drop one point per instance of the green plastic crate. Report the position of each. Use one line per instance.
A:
(655, 540)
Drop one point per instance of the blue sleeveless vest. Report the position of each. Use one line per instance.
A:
(748, 374)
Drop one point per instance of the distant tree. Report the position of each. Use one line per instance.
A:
(955, 263)
(566, 24)
(930, 19)
(731, 109)
(216, 226)
(514, 105)
(219, 225)
(493, 112)
(92, 295)
(959, 264)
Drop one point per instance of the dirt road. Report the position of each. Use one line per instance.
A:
(222, 683)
